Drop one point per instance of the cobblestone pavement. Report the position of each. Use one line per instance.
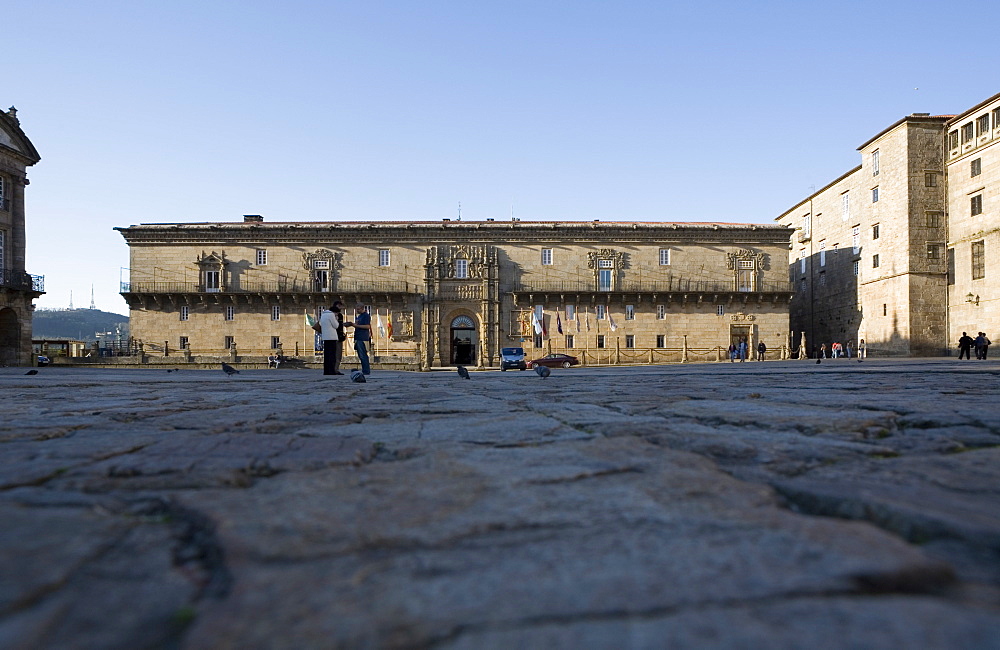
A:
(756, 505)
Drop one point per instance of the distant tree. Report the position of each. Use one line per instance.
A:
(78, 324)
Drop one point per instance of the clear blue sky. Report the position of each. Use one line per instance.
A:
(660, 111)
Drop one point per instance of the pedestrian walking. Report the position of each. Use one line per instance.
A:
(986, 345)
(965, 343)
(761, 350)
(743, 349)
(862, 350)
(979, 343)
(362, 336)
(328, 324)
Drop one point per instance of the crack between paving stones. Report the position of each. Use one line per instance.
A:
(44, 591)
(646, 614)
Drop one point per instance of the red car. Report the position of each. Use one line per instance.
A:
(555, 361)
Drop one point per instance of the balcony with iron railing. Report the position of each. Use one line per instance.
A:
(279, 287)
(673, 285)
(22, 281)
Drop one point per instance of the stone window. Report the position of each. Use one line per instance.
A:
(983, 124)
(857, 267)
(600, 310)
(629, 340)
(383, 257)
(570, 312)
(185, 312)
(720, 310)
(802, 261)
(461, 269)
(230, 312)
(629, 312)
(875, 232)
(875, 261)
(885, 309)
(967, 135)
(953, 139)
(664, 257)
(261, 257)
(875, 194)
(802, 286)
(977, 167)
(229, 342)
(600, 340)
(875, 157)
(822, 278)
(822, 253)
(661, 312)
(934, 219)
(996, 118)
(930, 179)
(569, 340)
(3, 193)
(538, 340)
(183, 344)
(275, 313)
(855, 240)
(845, 205)
(976, 204)
(661, 341)
(934, 251)
(546, 257)
(978, 260)
(275, 342)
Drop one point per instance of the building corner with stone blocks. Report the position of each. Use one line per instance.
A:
(457, 292)
(903, 251)
(18, 288)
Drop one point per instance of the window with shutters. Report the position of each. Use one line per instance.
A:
(967, 132)
(261, 257)
(976, 204)
(875, 157)
(976, 167)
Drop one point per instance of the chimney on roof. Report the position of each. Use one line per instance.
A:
(253, 218)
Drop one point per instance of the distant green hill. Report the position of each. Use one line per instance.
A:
(79, 324)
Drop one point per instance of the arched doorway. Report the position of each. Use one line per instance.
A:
(463, 341)
(10, 337)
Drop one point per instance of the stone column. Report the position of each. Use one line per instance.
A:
(684, 351)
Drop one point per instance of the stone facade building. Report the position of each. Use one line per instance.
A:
(17, 288)
(973, 168)
(872, 250)
(456, 292)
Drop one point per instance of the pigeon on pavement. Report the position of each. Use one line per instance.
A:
(229, 370)
(32, 372)
(462, 372)
(543, 371)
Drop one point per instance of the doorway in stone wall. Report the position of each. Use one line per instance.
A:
(463, 341)
(10, 337)
(739, 332)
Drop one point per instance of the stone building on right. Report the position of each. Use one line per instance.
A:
(903, 251)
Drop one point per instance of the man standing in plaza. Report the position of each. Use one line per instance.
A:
(761, 350)
(362, 335)
(964, 346)
(329, 324)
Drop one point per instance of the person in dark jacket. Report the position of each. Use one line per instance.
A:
(965, 346)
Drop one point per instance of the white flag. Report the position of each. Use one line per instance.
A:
(381, 325)
(535, 323)
(611, 323)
